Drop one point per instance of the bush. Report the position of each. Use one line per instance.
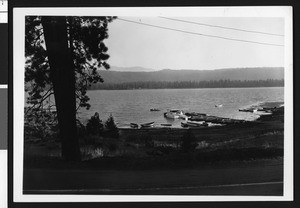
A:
(40, 124)
(94, 125)
(111, 127)
(188, 142)
(112, 147)
(110, 123)
(148, 142)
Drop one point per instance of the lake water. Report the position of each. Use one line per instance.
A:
(134, 106)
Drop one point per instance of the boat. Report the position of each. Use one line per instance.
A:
(195, 114)
(244, 110)
(154, 109)
(184, 124)
(194, 124)
(173, 114)
(151, 124)
(134, 125)
(219, 106)
(184, 117)
(251, 110)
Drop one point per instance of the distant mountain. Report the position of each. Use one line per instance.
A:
(168, 75)
(131, 69)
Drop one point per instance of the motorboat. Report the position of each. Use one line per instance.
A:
(219, 106)
(173, 114)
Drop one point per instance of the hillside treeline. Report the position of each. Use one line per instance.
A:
(189, 84)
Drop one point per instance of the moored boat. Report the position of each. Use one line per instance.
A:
(154, 109)
(173, 114)
(251, 110)
(194, 124)
(134, 125)
(151, 124)
(184, 124)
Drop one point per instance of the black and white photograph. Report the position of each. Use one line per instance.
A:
(153, 104)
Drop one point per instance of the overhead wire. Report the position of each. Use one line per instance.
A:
(218, 26)
(200, 34)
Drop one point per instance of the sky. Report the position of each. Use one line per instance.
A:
(131, 44)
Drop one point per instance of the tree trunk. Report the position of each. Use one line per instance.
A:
(63, 79)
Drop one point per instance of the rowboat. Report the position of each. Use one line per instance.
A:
(151, 124)
(251, 110)
(194, 124)
(134, 125)
(154, 109)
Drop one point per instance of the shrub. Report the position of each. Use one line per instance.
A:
(112, 147)
(111, 127)
(110, 123)
(149, 143)
(40, 124)
(166, 149)
(94, 125)
(188, 142)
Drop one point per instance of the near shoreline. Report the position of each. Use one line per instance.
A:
(236, 159)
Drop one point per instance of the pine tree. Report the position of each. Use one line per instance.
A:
(111, 127)
(63, 55)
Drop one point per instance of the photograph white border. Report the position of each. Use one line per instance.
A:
(18, 95)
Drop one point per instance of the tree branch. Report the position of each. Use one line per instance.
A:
(44, 97)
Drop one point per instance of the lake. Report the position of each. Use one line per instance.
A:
(134, 106)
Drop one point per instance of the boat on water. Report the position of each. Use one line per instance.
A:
(184, 125)
(154, 109)
(147, 125)
(196, 116)
(219, 106)
(173, 114)
(251, 110)
(194, 124)
(134, 125)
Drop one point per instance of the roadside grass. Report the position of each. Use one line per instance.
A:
(147, 153)
(166, 147)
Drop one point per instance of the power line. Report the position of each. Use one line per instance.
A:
(200, 34)
(218, 26)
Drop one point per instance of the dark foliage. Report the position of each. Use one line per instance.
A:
(62, 58)
(111, 127)
(188, 142)
(94, 125)
(40, 125)
(89, 53)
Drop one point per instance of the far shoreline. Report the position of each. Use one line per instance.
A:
(187, 88)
